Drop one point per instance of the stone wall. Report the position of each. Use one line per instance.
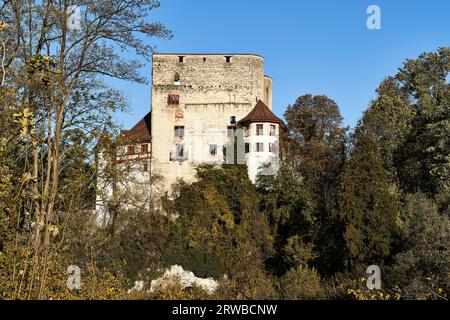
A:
(210, 90)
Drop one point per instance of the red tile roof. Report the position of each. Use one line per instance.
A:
(141, 132)
(261, 113)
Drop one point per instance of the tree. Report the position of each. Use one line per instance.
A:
(421, 266)
(388, 120)
(288, 205)
(219, 229)
(60, 102)
(302, 283)
(367, 205)
(316, 135)
(423, 161)
(316, 148)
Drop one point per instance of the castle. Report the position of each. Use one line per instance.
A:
(198, 103)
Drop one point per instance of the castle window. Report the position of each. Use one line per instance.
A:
(230, 131)
(233, 119)
(213, 149)
(259, 147)
(177, 79)
(247, 147)
(179, 132)
(181, 59)
(173, 99)
(180, 151)
(273, 129)
(259, 129)
(204, 59)
(130, 149)
(228, 59)
(144, 148)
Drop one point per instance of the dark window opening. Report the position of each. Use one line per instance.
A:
(145, 166)
(130, 150)
(144, 148)
(228, 59)
(247, 147)
(173, 99)
(259, 129)
(179, 132)
(204, 59)
(179, 153)
(233, 119)
(176, 79)
(181, 59)
(213, 149)
(180, 150)
(259, 147)
(273, 130)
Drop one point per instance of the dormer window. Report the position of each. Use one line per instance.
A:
(173, 99)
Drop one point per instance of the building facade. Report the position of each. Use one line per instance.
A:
(198, 101)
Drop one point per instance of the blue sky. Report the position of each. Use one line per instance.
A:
(318, 47)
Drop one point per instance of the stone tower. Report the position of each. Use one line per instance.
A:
(196, 102)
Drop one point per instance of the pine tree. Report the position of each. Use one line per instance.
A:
(366, 204)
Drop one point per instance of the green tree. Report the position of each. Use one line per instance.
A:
(302, 283)
(421, 267)
(316, 147)
(289, 208)
(367, 205)
(423, 161)
(219, 229)
(388, 119)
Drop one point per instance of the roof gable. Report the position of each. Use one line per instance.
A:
(261, 113)
(141, 132)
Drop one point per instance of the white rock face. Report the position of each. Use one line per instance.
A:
(138, 286)
(187, 279)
